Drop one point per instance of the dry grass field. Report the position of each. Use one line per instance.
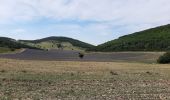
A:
(70, 80)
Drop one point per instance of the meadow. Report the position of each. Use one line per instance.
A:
(75, 80)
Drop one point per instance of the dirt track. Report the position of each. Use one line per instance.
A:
(60, 55)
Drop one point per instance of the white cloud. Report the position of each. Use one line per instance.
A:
(125, 11)
(130, 15)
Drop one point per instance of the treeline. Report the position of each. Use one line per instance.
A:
(155, 39)
(12, 44)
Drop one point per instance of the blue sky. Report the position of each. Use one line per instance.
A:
(92, 21)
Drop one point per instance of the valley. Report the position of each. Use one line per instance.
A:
(61, 68)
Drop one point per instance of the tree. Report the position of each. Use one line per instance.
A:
(164, 59)
(60, 46)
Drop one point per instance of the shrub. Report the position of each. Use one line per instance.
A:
(12, 49)
(2, 71)
(149, 73)
(81, 55)
(59, 45)
(164, 59)
(113, 73)
(24, 71)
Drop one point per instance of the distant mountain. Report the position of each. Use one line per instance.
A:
(155, 39)
(58, 43)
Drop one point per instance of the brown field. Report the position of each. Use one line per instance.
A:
(53, 80)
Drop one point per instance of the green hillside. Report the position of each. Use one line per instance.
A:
(8, 44)
(155, 39)
(58, 43)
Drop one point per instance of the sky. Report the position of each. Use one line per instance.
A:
(91, 21)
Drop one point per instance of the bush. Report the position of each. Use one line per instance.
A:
(59, 46)
(81, 55)
(164, 59)
(12, 49)
(113, 73)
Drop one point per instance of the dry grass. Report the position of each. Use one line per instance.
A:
(49, 80)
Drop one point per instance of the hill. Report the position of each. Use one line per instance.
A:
(58, 43)
(155, 39)
(8, 44)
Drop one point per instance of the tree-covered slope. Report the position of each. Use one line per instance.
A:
(58, 42)
(155, 39)
(8, 44)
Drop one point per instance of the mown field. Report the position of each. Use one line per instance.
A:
(65, 80)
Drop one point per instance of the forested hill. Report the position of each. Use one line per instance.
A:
(8, 44)
(155, 39)
(58, 42)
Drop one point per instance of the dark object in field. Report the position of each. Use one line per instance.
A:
(3, 71)
(72, 74)
(12, 49)
(24, 71)
(164, 59)
(113, 73)
(149, 73)
(81, 55)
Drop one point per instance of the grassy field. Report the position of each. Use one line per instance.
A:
(51, 80)
(4, 50)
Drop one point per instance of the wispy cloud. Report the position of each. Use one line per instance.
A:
(103, 10)
(102, 18)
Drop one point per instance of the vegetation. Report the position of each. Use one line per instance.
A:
(58, 42)
(164, 59)
(81, 55)
(52, 80)
(4, 50)
(156, 39)
(59, 45)
(7, 45)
